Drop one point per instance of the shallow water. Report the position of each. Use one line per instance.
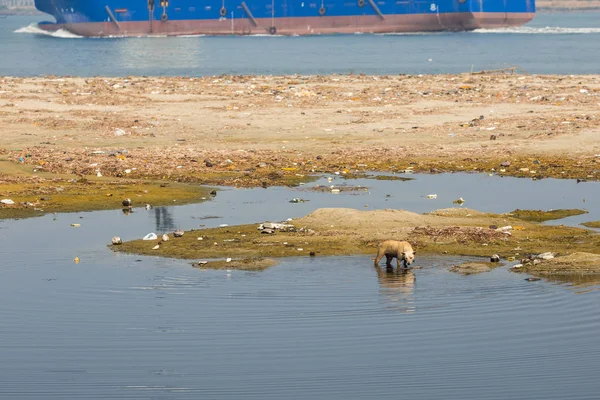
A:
(123, 326)
(561, 43)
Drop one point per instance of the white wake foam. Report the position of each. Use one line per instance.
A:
(34, 29)
(552, 30)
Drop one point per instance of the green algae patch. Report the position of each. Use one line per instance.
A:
(471, 268)
(244, 264)
(542, 216)
(391, 178)
(591, 224)
(35, 197)
(340, 231)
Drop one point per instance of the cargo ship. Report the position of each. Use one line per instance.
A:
(279, 17)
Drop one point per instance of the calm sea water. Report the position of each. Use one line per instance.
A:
(562, 43)
(118, 326)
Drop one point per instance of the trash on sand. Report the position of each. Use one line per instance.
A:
(126, 202)
(150, 236)
(178, 233)
(432, 196)
(275, 225)
(7, 201)
(156, 247)
(116, 240)
(545, 256)
(228, 260)
(119, 132)
(203, 262)
(165, 238)
(495, 258)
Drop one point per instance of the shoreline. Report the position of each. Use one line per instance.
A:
(252, 131)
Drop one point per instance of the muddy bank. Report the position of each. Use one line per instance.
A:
(339, 231)
(471, 268)
(578, 262)
(253, 131)
(26, 196)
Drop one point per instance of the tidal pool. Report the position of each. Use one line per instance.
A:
(122, 326)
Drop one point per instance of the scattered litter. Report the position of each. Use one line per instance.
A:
(432, 196)
(148, 207)
(178, 233)
(156, 247)
(200, 238)
(335, 191)
(150, 236)
(203, 262)
(126, 202)
(116, 240)
(545, 256)
(495, 258)
(165, 237)
(119, 132)
(300, 249)
(7, 201)
(228, 260)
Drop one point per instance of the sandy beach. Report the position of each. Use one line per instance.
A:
(198, 129)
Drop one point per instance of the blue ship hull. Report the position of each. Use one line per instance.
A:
(288, 17)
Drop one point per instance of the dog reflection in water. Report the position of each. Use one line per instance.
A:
(397, 286)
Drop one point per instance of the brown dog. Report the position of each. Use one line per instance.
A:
(400, 250)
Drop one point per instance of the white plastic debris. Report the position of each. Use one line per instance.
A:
(119, 132)
(156, 247)
(228, 259)
(165, 238)
(545, 256)
(116, 240)
(7, 201)
(150, 236)
(432, 196)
